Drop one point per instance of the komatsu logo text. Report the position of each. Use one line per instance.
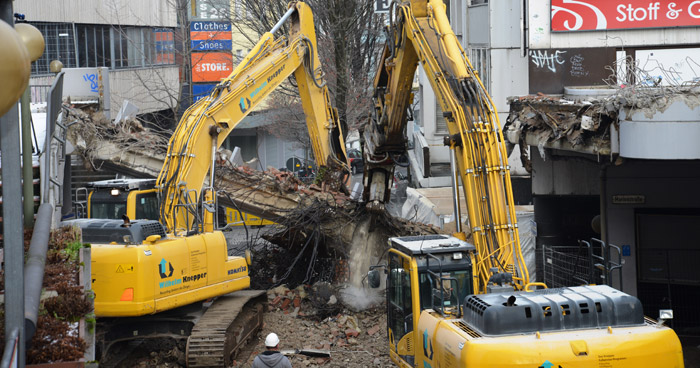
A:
(237, 270)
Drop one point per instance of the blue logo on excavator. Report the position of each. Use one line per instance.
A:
(427, 346)
(548, 364)
(164, 267)
(245, 104)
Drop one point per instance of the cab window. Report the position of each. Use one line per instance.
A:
(400, 312)
(147, 206)
(445, 294)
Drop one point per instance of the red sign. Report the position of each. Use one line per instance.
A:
(591, 15)
(211, 66)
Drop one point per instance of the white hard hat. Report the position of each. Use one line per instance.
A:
(272, 340)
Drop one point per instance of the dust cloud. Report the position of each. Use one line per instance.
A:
(366, 249)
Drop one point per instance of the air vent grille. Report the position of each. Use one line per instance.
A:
(463, 326)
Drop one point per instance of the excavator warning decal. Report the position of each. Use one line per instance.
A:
(125, 268)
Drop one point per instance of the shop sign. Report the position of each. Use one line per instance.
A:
(211, 66)
(596, 15)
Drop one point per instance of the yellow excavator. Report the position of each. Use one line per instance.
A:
(138, 199)
(173, 277)
(453, 303)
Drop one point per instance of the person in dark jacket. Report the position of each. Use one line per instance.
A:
(271, 358)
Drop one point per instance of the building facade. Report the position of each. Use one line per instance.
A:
(135, 40)
(611, 121)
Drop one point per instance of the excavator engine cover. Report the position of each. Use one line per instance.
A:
(580, 307)
(117, 231)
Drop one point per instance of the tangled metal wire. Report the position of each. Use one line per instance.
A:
(303, 246)
(640, 84)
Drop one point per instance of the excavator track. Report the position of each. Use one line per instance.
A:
(224, 329)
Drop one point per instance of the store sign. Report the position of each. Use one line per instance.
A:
(209, 45)
(206, 29)
(210, 36)
(592, 15)
(211, 66)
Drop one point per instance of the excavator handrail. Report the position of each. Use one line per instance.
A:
(530, 284)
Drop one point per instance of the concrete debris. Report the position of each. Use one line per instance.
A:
(128, 146)
(317, 301)
(340, 335)
(127, 112)
(546, 119)
(585, 126)
(282, 197)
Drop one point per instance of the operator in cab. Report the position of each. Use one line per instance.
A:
(271, 358)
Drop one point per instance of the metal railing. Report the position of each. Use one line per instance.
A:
(80, 203)
(591, 262)
(39, 93)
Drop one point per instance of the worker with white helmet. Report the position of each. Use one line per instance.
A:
(271, 358)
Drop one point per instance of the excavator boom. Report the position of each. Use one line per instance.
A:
(204, 126)
(421, 32)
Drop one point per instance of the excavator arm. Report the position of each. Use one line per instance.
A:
(205, 125)
(420, 32)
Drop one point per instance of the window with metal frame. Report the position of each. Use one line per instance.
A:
(481, 61)
(59, 41)
(91, 45)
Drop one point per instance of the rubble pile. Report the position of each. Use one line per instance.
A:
(127, 144)
(586, 124)
(317, 301)
(552, 118)
(342, 339)
(322, 235)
